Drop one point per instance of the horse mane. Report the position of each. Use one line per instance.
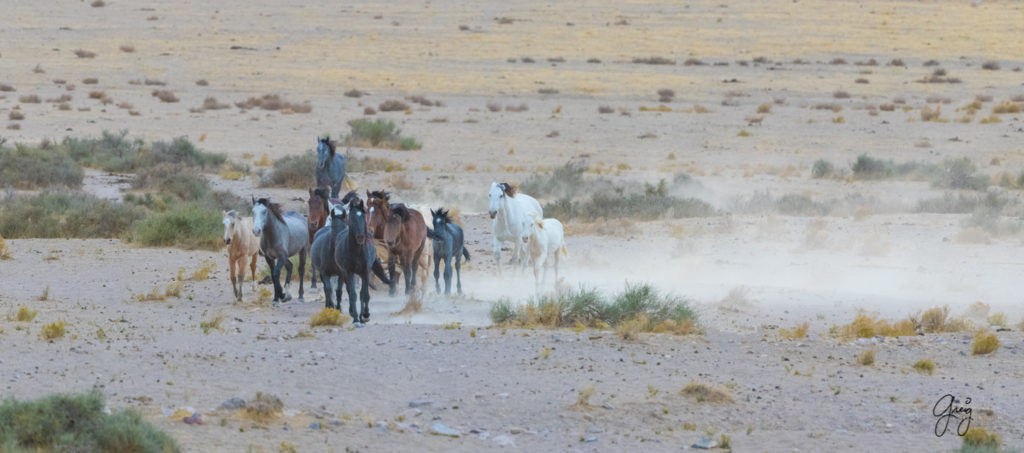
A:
(275, 208)
(330, 144)
(352, 195)
(386, 196)
(508, 189)
(400, 210)
(442, 214)
(323, 195)
(230, 213)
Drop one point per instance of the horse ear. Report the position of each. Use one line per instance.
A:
(253, 200)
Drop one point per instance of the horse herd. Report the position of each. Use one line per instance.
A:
(341, 238)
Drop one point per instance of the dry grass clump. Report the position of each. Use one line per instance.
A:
(6, 88)
(707, 393)
(867, 326)
(666, 95)
(583, 398)
(163, 95)
(837, 61)
(80, 53)
(764, 108)
(369, 111)
(328, 317)
(60, 99)
(795, 333)
(127, 48)
(937, 320)
(428, 103)
(925, 366)
(517, 108)
(978, 440)
(928, 114)
(98, 4)
(866, 358)
(393, 105)
(274, 102)
(25, 314)
(15, 115)
(990, 65)
(212, 324)
(1006, 107)
(985, 343)
(694, 62)
(30, 99)
(840, 94)
(53, 330)
(354, 93)
(154, 82)
(264, 407)
(653, 60)
(211, 103)
(5, 253)
(604, 109)
(97, 95)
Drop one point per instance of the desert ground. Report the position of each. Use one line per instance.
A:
(762, 91)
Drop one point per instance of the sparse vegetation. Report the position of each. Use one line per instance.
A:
(189, 226)
(82, 53)
(707, 393)
(165, 96)
(653, 60)
(651, 203)
(53, 330)
(393, 105)
(274, 102)
(264, 407)
(640, 308)
(866, 358)
(822, 169)
(65, 215)
(925, 366)
(212, 324)
(978, 440)
(985, 343)
(328, 317)
(295, 171)
(868, 326)
(381, 133)
(28, 168)
(25, 314)
(77, 422)
(795, 333)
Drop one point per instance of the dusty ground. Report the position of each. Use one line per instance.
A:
(875, 254)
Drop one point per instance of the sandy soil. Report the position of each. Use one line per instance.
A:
(748, 273)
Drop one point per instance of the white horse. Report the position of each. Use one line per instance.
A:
(510, 211)
(243, 248)
(544, 239)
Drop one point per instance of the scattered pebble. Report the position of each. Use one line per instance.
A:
(233, 404)
(705, 443)
(442, 430)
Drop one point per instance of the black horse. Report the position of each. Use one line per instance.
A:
(322, 256)
(330, 166)
(355, 254)
(448, 244)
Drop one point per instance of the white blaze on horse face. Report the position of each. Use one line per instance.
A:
(227, 228)
(259, 218)
(495, 196)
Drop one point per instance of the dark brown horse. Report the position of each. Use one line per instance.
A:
(318, 214)
(403, 231)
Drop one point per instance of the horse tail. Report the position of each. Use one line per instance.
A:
(465, 252)
(565, 252)
(378, 270)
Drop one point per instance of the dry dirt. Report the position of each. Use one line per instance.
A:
(500, 387)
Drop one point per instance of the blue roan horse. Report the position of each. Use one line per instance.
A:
(330, 166)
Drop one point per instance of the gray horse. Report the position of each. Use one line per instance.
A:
(356, 255)
(281, 236)
(448, 244)
(330, 166)
(322, 256)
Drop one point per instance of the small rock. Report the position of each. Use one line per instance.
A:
(335, 421)
(194, 419)
(420, 403)
(515, 430)
(590, 439)
(504, 441)
(588, 417)
(233, 404)
(410, 413)
(705, 443)
(593, 429)
(442, 430)
(314, 426)
(607, 406)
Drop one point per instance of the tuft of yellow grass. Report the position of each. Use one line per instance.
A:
(997, 320)
(25, 314)
(1006, 107)
(264, 407)
(985, 343)
(53, 330)
(866, 358)
(794, 333)
(231, 175)
(583, 398)
(707, 393)
(264, 161)
(265, 296)
(937, 320)
(764, 108)
(865, 326)
(978, 439)
(328, 317)
(5, 254)
(173, 289)
(925, 366)
(212, 324)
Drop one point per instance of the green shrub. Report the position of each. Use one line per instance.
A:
(172, 179)
(115, 152)
(380, 133)
(502, 312)
(296, 172)
(65, 215)
(822, 168)
(29, 168)
(188, 226)
(77, 423)
(960, 174)
(651, 204)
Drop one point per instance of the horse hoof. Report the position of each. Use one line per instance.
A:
(359, 325)
(287, 297)
(301, 300)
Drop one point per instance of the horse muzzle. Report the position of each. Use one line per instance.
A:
(256, 232)
(492, 213)
(227, 241)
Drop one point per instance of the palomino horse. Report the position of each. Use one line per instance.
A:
(242, 246)
(448, 244)
(281, 236)
(403, 231)
(355, 254)
(511, 211)
(330, 166)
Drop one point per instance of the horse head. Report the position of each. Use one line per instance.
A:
(317, 208)
(324, 151)
(259, 215)
(229, 225)
(377, 202)
(393, 226)
(357, 220)
(497, 196)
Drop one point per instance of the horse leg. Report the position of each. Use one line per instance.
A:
(287, 278)
(554, 263)
(302, 270)
(410, 276)
(275, 276)
(234, 289)
(437, 273)
(538, 269)
(364, 296)
(338, 282)
(312, 278)
(326, 283)
(252, 267)
(352, 298)
(447, 275)
(391, 273)
(458, 272)
(497, 253)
